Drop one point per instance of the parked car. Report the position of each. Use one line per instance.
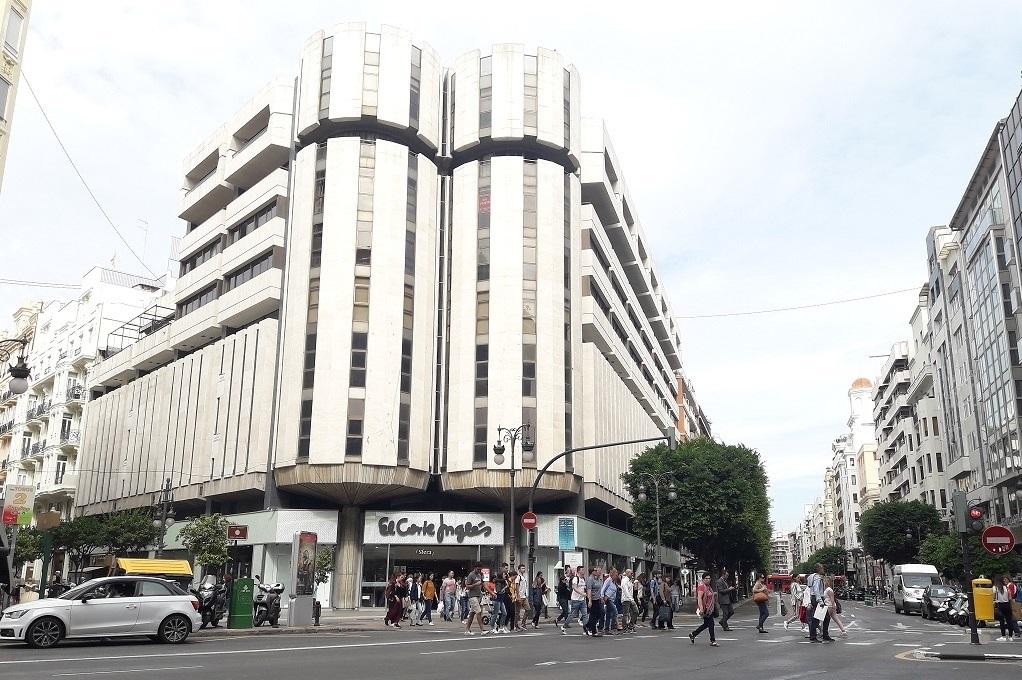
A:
(934, 598)
(120, 606)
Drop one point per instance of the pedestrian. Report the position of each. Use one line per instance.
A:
(641, 596)
(629, 611)
(594, 583)
(498, 609)
(725, 598)
(578, 602)
(462, 594)
(415, 595)
(1002, 604)
(705, 606)
(563, 592)
(666, 596)
(761, 595)
(429, 598)
(798, 611)
(390, 596)
(403, 589)
(450, 590)
(658, 621)
(507, 598)
(537, 596)
(817, 606)
(474, 592)
(521, 597)
(609, 592)
(833, 606)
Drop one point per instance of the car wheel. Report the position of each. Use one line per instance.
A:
(174, 629)
(44, 633)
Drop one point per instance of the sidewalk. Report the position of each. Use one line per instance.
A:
(332, 621)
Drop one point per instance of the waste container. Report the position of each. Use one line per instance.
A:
(239, 611)
(983, 597)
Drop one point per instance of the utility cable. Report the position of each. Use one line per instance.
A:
(37, 284)
(82, 178)
(797, 307)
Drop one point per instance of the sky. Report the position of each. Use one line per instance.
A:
(778, 154)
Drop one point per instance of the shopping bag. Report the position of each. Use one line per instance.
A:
(821, 612)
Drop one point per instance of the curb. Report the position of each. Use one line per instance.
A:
(282, 630)
(964, 656)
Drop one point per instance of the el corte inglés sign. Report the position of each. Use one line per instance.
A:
(434, 528)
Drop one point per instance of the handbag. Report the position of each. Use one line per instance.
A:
(821, 612)
(663, 612)
(837, 606)
(760, 596)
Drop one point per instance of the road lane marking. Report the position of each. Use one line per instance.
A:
(557, 663)
(130, 670)
(267, 650)
(462, 651)
(904, 645)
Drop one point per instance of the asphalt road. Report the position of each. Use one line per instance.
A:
(879, 644)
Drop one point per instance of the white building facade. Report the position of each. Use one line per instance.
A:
(386, 260)
(14, 16)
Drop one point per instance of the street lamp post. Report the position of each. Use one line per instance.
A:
(165, 509)
(656, 480)
(19, 372)
(512, 436)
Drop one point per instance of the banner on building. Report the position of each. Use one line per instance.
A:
(18, 502)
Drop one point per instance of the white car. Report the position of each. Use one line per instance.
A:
(119, 606)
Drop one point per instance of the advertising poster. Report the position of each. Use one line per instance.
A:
(18, 502)
(304, 554)
(573, 560)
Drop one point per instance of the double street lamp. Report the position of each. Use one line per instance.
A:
(511, 436)
(164, 509)
(656, 480)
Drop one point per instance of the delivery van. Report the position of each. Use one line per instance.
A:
(910, 580)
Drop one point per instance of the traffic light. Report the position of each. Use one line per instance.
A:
(969, 518)
(976, 519)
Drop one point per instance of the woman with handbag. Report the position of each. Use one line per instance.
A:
(537, 596)
(833, 606)
(798, 588)
(760, 595)
(394, 605)
(706, 603)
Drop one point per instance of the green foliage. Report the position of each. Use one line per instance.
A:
(29, 547)
(80, 538)
(324, 563)
(721, 513)
(206, 538)
(894, 530)
(944, 551)
(130, 531)
(833, 559)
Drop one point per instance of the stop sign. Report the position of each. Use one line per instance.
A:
(998, 540)
(529, 520)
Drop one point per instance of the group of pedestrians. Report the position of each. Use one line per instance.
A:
(815, 605)
(513, 600)
(412, 597)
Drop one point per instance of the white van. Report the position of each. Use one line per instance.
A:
(910, 580)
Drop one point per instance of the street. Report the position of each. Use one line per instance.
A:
(880, 644)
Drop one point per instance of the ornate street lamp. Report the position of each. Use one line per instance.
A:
(512, 436)
(656, 480)
(165, 509)
(19, 372)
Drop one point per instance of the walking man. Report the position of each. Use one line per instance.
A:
(577, 604)
(521, 595)
(608, 594)
(818, 588)
(593, 585)
(450, 595)
(629, 610)
(725, 598)
(474, 588)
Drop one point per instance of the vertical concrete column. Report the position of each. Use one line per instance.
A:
(345, 590)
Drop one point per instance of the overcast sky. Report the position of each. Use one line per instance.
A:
(779, 153)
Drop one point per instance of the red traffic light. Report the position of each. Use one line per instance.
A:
(976, 512)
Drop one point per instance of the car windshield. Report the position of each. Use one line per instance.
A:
(77, 591)
(939, 591)
(920, 580)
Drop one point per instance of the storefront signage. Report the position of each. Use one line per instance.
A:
(566, 533)
(434, 528)
(424, 553)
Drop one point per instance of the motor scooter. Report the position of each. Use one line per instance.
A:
(267, 604)
(212, 601)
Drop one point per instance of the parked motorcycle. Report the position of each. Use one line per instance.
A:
(267, 604)
(944, 609)
(212, 601)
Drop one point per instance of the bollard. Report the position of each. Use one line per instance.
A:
(317, 609)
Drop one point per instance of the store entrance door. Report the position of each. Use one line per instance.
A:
(437, 560)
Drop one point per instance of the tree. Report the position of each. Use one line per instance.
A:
(80, 538)
(944, 551)
(29, 547)
(833, 558)
(324, 563)
(894, 530)
(206, 538)
(721, 513)
(130, 531)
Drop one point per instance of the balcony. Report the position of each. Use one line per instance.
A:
(251, 300)
(8, 397)
(63, 486)
(37, 413)
(35, 451)
(6, 429)
(207, 195)
(263, 151)
(201, 235)
(75, 397)
(69, 440)
(82, 356)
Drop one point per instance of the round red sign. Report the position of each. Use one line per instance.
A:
(529, 520)
(998, 540)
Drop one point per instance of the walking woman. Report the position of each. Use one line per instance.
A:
(563, 598)
(537, 596)
(428, 599)
(641, 595)
(1002, 603)
(761, 595)
(667, 587)
(705, 604)
(832, 605)
(798, 589)
(462, 594)
(394, 605)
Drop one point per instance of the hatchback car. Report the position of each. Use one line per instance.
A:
(933, 598)
(120, 606)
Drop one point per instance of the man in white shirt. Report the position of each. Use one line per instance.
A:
(629, 610)
(578, 604)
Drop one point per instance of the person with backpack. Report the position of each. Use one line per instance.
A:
(563, 591)
(578, 602)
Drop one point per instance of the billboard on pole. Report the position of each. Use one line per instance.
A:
(18, 502)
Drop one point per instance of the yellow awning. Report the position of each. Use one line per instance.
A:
(165, 567)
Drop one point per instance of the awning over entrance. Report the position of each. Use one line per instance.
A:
(155, 567)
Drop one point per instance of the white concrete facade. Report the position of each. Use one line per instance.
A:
(14, 16)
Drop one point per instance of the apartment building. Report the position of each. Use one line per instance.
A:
(14, 15)
(780, 554)
(41, 430)
(848, 458)
(360, 241)
(692, 421)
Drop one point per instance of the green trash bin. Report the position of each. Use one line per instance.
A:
(239, 610)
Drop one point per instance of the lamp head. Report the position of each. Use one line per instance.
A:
(498, 448)
(19, 376)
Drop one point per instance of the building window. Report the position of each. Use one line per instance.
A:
(254, 221)
(356, 420)
(5, 90)
(531, 96)
(312, 312)
(371, 75)
(201, 298)
(529, 293)
(568, 375)
(940, 462)
(207, 253)
(359, 357)
(411, 214)
(364, 209)
(414, 86)
(325, 71)
(12, 36)
(482, 313)
(483, 223)
(567, 109)
(485, 96)
(250, 270)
